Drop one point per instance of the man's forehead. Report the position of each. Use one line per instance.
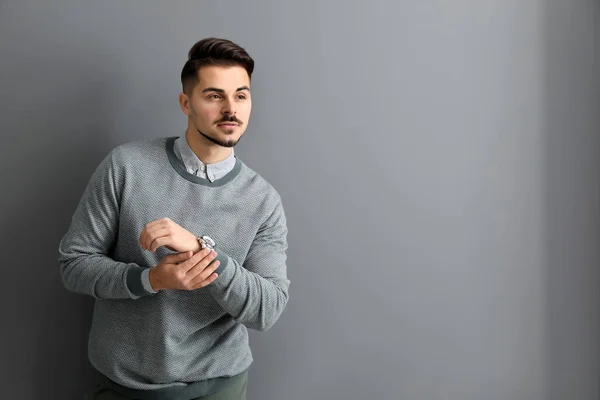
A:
(226, 78)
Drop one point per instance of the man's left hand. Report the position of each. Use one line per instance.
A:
(164, 232)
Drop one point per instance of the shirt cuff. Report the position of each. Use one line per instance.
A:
(146, 281)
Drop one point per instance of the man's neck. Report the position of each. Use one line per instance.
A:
(207, 151)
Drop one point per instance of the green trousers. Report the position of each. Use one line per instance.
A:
(236, 391)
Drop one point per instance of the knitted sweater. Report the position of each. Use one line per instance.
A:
(174, 339)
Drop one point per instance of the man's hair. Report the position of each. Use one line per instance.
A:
(213, 51)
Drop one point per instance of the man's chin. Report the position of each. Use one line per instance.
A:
(225, 142)
(230, 143)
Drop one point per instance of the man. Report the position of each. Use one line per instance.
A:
(183, 247)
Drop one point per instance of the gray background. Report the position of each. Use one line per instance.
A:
(438, 160)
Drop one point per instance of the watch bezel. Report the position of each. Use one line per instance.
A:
(206, 242)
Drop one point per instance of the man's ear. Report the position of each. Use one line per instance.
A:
(184, 103)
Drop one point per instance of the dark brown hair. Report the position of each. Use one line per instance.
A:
(213, 51)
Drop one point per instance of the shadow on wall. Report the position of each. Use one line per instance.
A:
(60, 133)
(572, 199)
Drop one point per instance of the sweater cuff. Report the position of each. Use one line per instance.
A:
(136, 283)
(223, 259)
(226, 273)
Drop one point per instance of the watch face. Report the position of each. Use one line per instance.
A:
(209, 241)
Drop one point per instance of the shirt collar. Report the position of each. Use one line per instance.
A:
(195, 166)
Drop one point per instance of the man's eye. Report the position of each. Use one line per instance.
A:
(242, 96)
(214, 96)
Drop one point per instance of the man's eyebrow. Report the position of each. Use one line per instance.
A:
(213, 89)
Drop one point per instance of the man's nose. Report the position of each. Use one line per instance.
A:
(228, 107)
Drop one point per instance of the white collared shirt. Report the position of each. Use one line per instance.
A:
(194, 166)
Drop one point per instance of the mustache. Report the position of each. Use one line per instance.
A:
(229, 118)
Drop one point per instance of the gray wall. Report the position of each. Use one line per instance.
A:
(439, 163)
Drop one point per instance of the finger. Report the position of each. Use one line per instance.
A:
(155, 233)
(151, 227)
(156, 243)
(201, 275)
(193, 260)
(160, 221)
(143, 240)
(202, 264)
(161, 241)
(177, 258)
(205, 282)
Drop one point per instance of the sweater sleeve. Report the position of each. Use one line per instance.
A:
(256, 293)
(84, 252)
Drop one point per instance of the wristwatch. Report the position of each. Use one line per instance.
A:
(206, 242)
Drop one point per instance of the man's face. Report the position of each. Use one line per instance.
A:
(220, 104)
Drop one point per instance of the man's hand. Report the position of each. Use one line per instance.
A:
(184, 271)
(164, 232)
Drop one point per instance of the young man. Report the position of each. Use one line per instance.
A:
(183, 247)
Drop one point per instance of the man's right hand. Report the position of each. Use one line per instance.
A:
(185, 271)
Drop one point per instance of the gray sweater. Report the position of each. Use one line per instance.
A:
(173, 340)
